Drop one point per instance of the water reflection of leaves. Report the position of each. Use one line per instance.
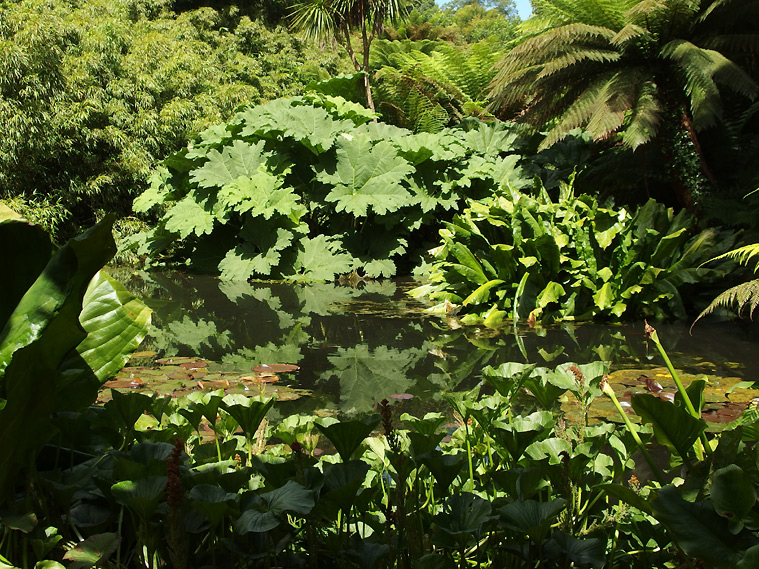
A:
(367, 376)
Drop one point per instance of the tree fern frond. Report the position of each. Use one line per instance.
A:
(645, 116)
(740, 298)
(742, 255)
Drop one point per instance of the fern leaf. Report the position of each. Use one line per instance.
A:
(740, 298)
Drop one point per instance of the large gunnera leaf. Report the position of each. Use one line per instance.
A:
(367, 176)
(238, 159)
(260, 194)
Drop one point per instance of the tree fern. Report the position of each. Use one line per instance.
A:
(743, 298)
(428, 90)
(628, 66)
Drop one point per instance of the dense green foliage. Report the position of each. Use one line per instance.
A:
(742, 298)
(664, 71)
(515, 256)
(93, 93)
(65, 329)
(306, 188)
(207, 480)
(426, 86)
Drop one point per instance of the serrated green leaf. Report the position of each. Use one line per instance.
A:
(320, 259)
(367, 176)
(249, 260)
(260, 195)
(187, 217)
(238, 159)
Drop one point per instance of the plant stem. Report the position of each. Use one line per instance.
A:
(607, 389)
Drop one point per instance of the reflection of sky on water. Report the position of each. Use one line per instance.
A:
(357, 346)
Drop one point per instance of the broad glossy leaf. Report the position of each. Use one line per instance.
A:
(673, 425)
(93, 550)
(142, 495)
(463, 513)
(24, 263)
(367, 176)
(699, 530)
(342, 482)
(587, 552)
(116, 323)
(248, 414)
(482, 293)
(444, 467)
(39, 335)
(291, 497)
(347, 436)
(531, 517)
(733, 495)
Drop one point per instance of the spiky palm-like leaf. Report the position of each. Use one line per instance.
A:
(741, 298)
(627, 65)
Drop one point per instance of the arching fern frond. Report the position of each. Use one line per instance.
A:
(744, 296)
(743, 255)
(742, 299)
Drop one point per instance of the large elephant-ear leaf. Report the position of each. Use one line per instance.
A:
(38, 338)
(24, 263)
(116, 323)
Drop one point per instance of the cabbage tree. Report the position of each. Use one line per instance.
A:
(340, 19)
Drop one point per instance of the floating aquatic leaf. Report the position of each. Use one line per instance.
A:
(275, 368)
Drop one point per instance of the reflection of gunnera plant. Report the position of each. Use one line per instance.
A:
(517, 256)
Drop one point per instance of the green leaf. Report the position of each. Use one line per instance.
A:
(320, 259)
(367, 176)
(142, 496)
(24, 263)
(482, 293)
(236, 160)
(347, 436)
(249, 260)
(291, 497)
(673, 425)
(93, 550)
(188, 217)
(698, 529)
(733, 495)
(261, 194)
(463, 514)
(531, 517)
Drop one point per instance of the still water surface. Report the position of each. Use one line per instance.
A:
(356, 346)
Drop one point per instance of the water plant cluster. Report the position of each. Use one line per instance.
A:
(502, 479)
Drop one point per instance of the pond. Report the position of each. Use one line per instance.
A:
(356, 345)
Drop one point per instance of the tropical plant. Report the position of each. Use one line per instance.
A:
(646, 70)
(512, 256)
(340, 19)
(66, 328)
(306, 188)
(742, 297)
(426, 90)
